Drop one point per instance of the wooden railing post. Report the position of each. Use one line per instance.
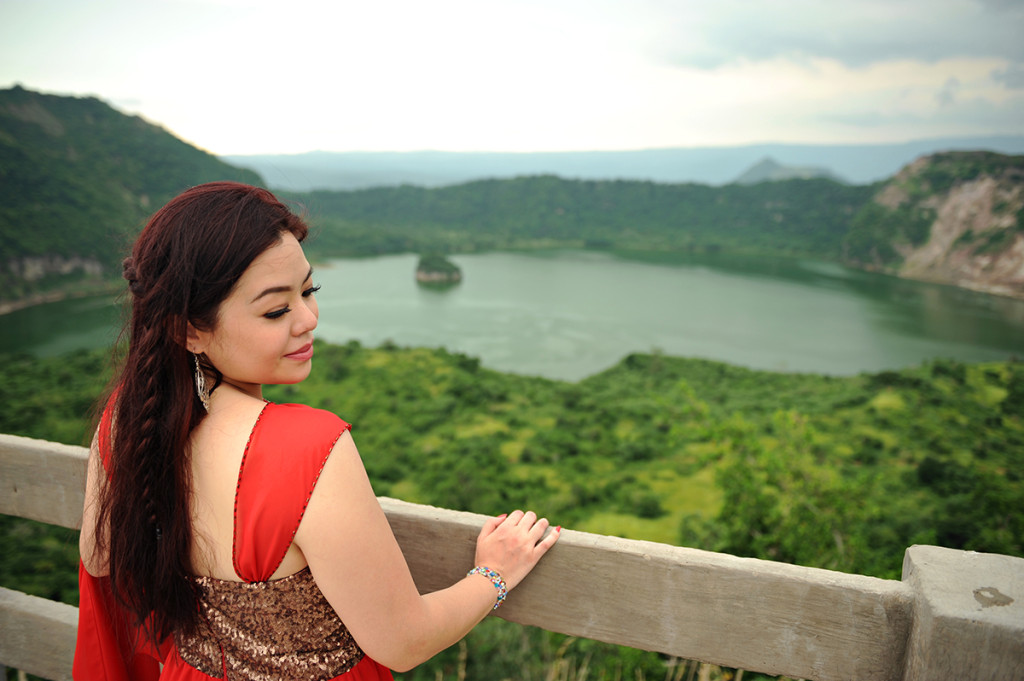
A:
(968, 615)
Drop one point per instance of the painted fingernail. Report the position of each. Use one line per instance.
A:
(558, 529)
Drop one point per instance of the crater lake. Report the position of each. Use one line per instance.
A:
(569, 314)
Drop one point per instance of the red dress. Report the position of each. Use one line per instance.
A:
(255, 629)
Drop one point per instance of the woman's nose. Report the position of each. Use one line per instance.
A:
(307, 318)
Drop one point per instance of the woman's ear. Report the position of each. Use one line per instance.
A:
(195, 340)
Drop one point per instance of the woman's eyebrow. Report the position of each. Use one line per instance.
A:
(279, 289)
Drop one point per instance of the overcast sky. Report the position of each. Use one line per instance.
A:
(289, 76)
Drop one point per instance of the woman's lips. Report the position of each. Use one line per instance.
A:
(303, 353)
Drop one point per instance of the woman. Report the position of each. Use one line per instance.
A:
(243, 538)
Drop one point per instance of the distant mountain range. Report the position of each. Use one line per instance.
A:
(855, 163)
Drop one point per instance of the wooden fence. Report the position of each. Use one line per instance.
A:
(954, 615)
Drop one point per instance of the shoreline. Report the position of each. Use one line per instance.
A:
(9, 306)
(1002, 291)
(115, 287)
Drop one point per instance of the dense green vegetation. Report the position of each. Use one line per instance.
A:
(841, 473)
(945, 171)
(796, 217)
(436, 271)
(876, 231)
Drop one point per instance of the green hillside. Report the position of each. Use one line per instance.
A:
(840, 473)
(682, 451)
(77, 181)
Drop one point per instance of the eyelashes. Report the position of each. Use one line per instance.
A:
(277, 314)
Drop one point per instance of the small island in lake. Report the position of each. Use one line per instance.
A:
(437, 270)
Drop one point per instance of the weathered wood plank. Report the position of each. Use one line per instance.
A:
(737, 612)
(38, 635)
(42, 480)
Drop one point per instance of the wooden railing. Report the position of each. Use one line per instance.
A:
(954, 615)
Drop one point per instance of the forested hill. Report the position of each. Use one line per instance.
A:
(77, 178)
(799, 217)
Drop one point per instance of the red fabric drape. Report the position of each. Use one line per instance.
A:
(109, 647)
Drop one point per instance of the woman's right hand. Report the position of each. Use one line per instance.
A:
(372, 589)
(512, 544)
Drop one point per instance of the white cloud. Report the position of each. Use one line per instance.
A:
(252, 76)
(856, 33)
(947, 95)
(1012, 76)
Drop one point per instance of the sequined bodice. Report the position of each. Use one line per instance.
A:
(282, 630)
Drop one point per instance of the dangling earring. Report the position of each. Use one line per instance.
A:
(201, 391)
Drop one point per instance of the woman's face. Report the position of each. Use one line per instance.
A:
(264, 329)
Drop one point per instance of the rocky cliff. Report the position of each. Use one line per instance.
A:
(955, 218)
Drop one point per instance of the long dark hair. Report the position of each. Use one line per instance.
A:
(185, 262)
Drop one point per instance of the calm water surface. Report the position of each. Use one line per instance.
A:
(571, 314)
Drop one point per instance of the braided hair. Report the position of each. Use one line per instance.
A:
(183, 265)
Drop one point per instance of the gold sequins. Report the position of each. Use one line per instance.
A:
(283, 630)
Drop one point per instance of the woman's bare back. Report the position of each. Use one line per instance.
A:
(217, 447)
